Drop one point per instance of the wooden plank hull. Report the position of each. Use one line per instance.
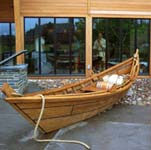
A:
(70, 104)
(60, 114)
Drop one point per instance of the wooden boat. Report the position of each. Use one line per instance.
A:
(74, 102)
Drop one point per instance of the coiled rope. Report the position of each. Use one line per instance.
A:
(52, 140)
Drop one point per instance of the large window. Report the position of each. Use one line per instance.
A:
(121, 38)
(7, 40)
(56, 46)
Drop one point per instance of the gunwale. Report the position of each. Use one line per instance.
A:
(66, 97)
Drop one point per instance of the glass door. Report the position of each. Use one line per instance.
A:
(123, 37)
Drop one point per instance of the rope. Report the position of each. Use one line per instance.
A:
(52, 140)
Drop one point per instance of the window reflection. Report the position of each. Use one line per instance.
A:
(31, 37)
(123, 36)
(4, 29)
(53, 41)
(47, 43)
(78, 46)
(143, 44)
(7, 41)
(62, 46)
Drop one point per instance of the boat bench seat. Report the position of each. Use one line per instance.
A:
(92, 88)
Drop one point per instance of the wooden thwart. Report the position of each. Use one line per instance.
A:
(92, 88)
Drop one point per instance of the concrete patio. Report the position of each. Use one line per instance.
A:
(124, 127)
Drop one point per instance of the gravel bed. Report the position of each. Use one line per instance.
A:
(139, 93)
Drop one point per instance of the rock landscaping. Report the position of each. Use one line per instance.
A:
(139, 93)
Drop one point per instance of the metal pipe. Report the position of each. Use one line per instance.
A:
(12, 57)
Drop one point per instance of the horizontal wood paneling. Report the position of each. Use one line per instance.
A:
(53, 7)
(129, 5)
(133, 8)
(6, 11)
(51, 112)
(120, 8)
(74, 8)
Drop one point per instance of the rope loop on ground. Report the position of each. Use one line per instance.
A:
(52, 140)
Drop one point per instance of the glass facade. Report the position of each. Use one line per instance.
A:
(7, 41)
(122, 37)
(56, 46)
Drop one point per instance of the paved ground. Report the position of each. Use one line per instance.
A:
(121, 128)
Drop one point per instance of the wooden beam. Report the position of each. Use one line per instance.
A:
(19, 30)
(88, 45)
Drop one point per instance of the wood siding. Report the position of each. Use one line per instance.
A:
(53, 7)
(6, 11)
(120, 8)
(128, 5)
(111, 8)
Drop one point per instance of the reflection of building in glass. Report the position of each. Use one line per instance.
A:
(55, 45)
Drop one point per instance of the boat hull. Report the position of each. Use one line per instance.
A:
(60, 112)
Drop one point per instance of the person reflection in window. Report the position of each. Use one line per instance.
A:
(100, 46)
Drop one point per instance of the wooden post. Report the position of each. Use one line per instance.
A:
(19, 30)
(88, 45)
